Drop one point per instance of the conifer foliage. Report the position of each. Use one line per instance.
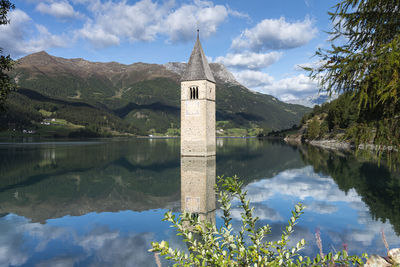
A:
(364, 60)
(6, 62)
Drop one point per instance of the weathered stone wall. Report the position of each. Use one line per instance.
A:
(198, 119)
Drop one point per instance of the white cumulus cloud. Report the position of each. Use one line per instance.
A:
(110, 23)
(115, 21)
(275, 34)
(179, 24)
(61, 9)
(295, 87)
(238, 14)
(249, 60)
(286, 89)
(250, 57)
(23, 36)
(253, 79)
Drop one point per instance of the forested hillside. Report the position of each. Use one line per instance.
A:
(140, 99)
(343, 120)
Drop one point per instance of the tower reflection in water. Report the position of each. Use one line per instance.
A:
(197, 187)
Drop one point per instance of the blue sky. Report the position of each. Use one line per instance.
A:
(260, 41)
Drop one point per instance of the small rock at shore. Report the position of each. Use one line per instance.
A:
(394, 255)
(376, 261)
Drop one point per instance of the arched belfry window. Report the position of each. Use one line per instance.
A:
(194, 92)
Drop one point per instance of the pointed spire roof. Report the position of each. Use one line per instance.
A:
(198, 68)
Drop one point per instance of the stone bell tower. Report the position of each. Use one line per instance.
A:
(198, 106)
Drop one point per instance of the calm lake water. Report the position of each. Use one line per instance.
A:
(100, 203)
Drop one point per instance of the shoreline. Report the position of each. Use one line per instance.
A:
(63, 139)
(337, 145)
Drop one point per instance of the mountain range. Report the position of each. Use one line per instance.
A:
(139, 98)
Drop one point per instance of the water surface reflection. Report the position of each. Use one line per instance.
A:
(101, 203)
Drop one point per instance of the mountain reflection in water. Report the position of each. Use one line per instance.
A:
(101, 203)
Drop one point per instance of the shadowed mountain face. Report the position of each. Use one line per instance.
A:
(143, 96)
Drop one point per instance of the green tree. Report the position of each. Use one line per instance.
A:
(6, 62)
(364, 60)
(324, 128)
(313, 129)
(342, 112)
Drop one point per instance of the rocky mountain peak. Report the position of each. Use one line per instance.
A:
(177, 67)
(220, 72)
(40, 58)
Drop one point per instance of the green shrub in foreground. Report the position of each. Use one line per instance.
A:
(211, 246)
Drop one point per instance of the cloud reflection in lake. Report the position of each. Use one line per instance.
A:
(342, 217)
